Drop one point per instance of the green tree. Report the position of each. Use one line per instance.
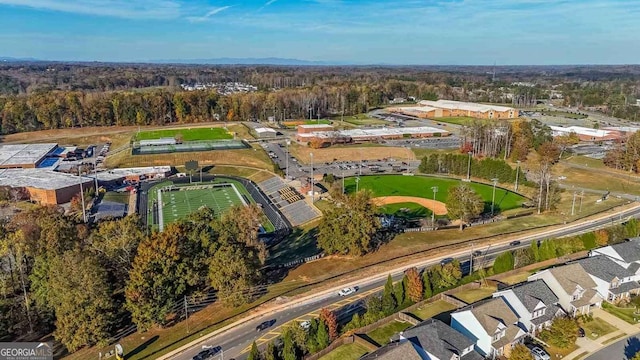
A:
(233, 271)
(562, 333)
(399, 290)
(116, 242)
(589, 240)
(389, 302)
(636, 356)
(463, 204)
(426, 283)
(80, 295)
(289, 349)
(254, 354)
(520, 352)
(445, 276)
(272, 352)
(535, 251)
(349, 228)
(503, 262)
(322, 336)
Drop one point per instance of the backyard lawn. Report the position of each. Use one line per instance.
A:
(472, 295)
(383, 334)
(346, 352)
(433, 309)
(597, 328)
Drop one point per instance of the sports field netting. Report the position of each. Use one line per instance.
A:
(190, 147)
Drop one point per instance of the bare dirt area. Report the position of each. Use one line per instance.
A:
(439, 208)
(79, 136)
(352, 153)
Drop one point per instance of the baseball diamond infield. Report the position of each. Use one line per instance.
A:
(438, 207)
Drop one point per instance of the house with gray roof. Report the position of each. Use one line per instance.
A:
(614, 282)
(576, 290)
(491, 324)
(625, 254)
(534, 304)
(430, 340)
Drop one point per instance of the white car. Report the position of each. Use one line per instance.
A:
(539, 354)
(305, 324)
(347, 291)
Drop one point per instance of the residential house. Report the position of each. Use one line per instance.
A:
(575, 289)
(613, 281)
(534, 304)
(492, 326)
(430, 340)
(625, 254)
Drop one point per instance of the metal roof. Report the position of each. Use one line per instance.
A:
(40, 179)
(21, 154)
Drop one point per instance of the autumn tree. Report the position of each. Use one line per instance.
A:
(548, 154)
(445, 276)
(564, 142)
(414, 285)
(80, 295)
(331, 321)
(464, 204)
(351, 227)
(562, 333)
(116, 242)
(520, 352)
(602, 237)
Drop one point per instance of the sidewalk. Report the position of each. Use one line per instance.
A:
(587, 346)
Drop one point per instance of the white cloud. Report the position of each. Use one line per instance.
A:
(208, 15)
(128, 9)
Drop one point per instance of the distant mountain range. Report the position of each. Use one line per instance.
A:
(13, 59)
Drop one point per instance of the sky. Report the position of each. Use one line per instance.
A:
(428, 32)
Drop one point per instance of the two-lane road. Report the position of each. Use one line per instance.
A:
(236, 340)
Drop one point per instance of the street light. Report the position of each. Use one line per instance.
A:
(433, 214)
(287, 158)
(517, 174)
(469, 167)
(493, 198)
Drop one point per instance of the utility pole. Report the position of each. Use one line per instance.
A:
(287, 158)
(517, 174)
(581, 196)
(471, 260)
(342, 182)
(360, 169)
(469, 168)
(433, 214)
(493, 197)
(573, 204)
(84, 213)
(311, 180)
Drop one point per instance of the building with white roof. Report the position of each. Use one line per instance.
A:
(586, 134)
(265, 132)
(365, 135)
(451, 108)
(46, 187)
(24, 155)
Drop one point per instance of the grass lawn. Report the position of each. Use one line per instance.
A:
(420, 152)
(514, 278)
(316, 122)
(627, 314)
(188, 134)
(558, 353)
(383, 334)
(420, 186)
(433, 309)
(456, 120)
(346, 352)
(406, 210)
(118, 197)
(359, 120)
(598, 179)
(472, 295)
(586, 161)
(597, 328)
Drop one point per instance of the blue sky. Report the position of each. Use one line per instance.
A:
(357, 31)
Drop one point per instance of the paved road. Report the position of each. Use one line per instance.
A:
(236, 340)
(620, 350)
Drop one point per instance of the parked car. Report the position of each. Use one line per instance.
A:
(581, 332)
(347, 291)
(515, 243)
(539, 354)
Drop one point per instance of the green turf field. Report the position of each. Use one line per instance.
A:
(179, 204)
(188, 134)
(420, 186)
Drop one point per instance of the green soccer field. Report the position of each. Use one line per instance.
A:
(420, 186)
(178, 204)
(188, 134)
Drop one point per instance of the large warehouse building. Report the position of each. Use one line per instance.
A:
(46, 187)
(329, 136)
(587, 134)
(428, 109)
(25, 155)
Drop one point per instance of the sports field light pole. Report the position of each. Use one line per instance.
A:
(469, 167)
(287, 158)
(517, 174)
(311, 180)
(84, 213)
(493, 197)
(433, 213)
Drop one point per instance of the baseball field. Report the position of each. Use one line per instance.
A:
(399, 189)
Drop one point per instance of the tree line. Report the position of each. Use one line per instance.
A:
(83, 283)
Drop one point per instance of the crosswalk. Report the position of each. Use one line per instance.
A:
(276, 332)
